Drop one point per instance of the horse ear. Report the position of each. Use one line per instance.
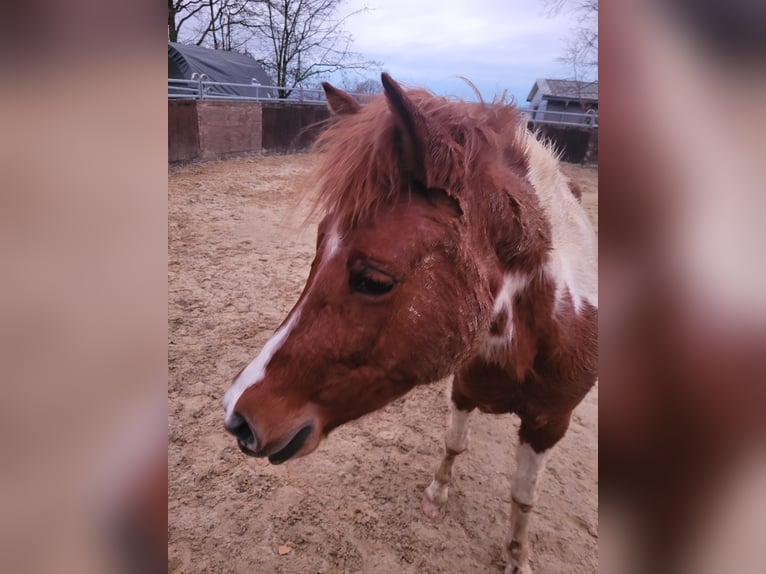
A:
(423, 148)
(339, 102)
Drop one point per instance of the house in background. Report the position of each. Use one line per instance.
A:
(566, 113)
(552, 100)
(218, 66)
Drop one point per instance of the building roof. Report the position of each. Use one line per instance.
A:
(218, 66)
(565, 90)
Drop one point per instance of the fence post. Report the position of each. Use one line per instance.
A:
(200, 87)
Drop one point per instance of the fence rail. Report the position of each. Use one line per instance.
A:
(587, 119)
(201, 88)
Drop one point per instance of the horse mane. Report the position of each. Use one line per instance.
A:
(361, 168)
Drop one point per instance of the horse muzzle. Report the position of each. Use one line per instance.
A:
(277, 451)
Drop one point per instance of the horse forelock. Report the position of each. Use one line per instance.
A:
(361, 169)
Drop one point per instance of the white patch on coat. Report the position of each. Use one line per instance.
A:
(256, 370)
(333, 244)
(457, 430)
(573, 263)
(529, 468)
(513, 284)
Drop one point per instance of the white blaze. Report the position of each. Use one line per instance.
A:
(256, 370)
(333, 244)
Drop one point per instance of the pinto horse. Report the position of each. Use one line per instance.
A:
(451, 245)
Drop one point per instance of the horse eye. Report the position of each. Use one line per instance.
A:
(371, 283)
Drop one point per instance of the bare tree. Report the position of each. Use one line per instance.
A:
(296, 41)
(364, 89)
(180, 12)
(219, 24)
(581, 49)
(368, 86)
(301, 40)
(224, 24)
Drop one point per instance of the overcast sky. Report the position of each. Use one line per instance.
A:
(497, 44)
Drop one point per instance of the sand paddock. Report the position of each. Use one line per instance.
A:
(239, 253)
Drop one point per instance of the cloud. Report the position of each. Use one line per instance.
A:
(496, 44)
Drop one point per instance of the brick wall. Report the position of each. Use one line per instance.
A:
(228, 128)
(212, 130)
(218, 129)
(291, 126)
(183, 132)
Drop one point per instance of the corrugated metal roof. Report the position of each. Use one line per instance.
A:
(565, 89)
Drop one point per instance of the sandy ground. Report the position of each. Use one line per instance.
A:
(238, 257)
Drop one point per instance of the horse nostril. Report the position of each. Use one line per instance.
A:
(238, 426)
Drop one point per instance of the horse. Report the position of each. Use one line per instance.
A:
(451, 245)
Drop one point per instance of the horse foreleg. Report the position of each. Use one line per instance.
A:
(532, 454)
(455, 442)
(529, 468)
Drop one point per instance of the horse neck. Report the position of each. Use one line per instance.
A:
(509, 225)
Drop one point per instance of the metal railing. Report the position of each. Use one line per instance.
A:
(201, 88)
(588, 120)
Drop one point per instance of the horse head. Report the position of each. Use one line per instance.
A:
(394, 297)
